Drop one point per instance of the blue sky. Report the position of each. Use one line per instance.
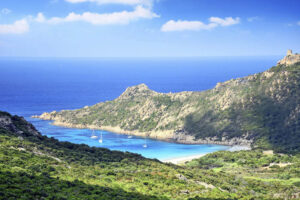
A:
(148, 28)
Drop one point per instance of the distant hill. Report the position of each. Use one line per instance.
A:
(33, 166)
(260, 110)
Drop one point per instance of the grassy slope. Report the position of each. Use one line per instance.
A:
(275, 170)
(263, 107)
(37, 167)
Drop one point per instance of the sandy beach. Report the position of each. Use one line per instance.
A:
(182, 160)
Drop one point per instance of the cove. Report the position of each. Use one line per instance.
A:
(155, 149)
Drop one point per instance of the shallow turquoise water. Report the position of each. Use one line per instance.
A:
(155, 149)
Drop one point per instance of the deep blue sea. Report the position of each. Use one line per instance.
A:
(33, 86)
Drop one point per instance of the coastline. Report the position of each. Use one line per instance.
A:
(167, 136)
(182, 159)
(174, 160)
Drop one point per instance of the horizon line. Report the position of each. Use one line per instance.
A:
(128, 57)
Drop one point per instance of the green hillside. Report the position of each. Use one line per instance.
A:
(33, 166)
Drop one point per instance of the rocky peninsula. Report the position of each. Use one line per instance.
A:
(260, 110)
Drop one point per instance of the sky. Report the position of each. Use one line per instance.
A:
(148, 28)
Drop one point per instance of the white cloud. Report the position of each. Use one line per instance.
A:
(186, 25)
(125, 2)
(40, 18)
(5, 11)
(228, 21)
(18, 27)
(123, 17)
(298, 23)
(198, 25)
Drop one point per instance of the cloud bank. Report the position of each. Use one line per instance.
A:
(125, 2)
(18, 27)
(198, 25)
(123, 17)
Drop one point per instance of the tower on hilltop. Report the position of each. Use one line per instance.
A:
(290, 59)
(289, 52)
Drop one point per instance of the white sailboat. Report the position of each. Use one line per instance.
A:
(101, 138)
(145, 145)
(93, 135)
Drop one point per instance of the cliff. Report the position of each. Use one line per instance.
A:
(17, 125)
(261, 110)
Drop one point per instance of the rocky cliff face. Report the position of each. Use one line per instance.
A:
(17, 125)
(260, 109)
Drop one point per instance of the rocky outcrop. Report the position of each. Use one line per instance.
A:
(242, 140)
(140, 90)
(290, 59)
(17, 125)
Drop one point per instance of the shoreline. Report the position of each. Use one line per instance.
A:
(174, 160)
(166, 136)
(183, 159)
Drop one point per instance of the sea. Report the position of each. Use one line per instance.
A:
(31, 86)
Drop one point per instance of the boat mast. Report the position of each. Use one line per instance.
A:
(101, 139)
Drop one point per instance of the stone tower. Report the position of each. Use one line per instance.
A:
(289, 59)
(289, 52)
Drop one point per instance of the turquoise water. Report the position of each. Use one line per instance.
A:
(33, 86)
(155, 149)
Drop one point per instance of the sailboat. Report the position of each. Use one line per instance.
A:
(93, 135)
(101, 138)
(145, 145)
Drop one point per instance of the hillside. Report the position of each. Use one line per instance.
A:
(260, 110)
(33, 166)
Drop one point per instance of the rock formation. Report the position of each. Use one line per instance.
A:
(290, 58)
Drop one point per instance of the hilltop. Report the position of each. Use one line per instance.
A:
(260, 110)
